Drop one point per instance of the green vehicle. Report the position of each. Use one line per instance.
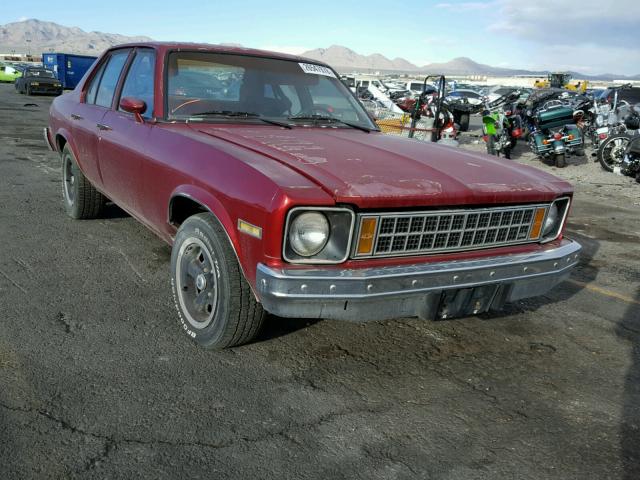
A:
(501, 125)
(554, 132)
(9, 73)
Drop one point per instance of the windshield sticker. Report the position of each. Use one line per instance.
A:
(317, 69)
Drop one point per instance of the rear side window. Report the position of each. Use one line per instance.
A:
(139, 81)
(109, 80)
(93, 86)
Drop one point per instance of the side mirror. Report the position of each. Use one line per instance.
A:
(135, 106)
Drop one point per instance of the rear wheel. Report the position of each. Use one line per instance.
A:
(215, 304)
(81, 199)
(491, 145)
(560, 160)
(611, 151)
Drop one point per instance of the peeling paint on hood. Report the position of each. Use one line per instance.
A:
(376, 170)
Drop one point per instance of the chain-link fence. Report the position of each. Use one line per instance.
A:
(399, 124)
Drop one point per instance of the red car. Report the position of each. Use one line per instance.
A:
(279, 194)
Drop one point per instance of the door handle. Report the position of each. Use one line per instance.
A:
(102, 126)
(75, 117)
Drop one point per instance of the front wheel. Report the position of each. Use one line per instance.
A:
(464, 122)
(215, 304)
(560, 160)
(612, 150)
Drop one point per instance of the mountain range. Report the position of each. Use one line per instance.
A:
(346, 60)
(38, 36)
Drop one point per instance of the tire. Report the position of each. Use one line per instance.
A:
(560, 160)
(28, 90)
(216, 311)
(611, 151)
(491, 146)
(507, 153)
(464, 122)
(81, 200)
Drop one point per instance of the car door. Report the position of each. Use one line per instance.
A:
(121, 150)
(85, 116)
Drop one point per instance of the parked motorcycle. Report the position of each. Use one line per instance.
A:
(553, 132)
(611, 117)
(612, 151)
(501, 125)
(631, 162)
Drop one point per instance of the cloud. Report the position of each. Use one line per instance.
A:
(593, 36)
(23, 19)
(292, 50)
(547, 22)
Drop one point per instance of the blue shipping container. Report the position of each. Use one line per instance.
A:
(68, 68)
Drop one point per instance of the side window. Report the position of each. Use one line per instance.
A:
(93, 86)
(139, 81)
(110, 77)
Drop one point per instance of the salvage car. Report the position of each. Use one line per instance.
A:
(9, 73)
(278, 194)
(38, 80)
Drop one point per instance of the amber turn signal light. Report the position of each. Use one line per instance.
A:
(538, 219)
(367, 234)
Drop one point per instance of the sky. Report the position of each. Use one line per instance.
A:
(589, 36)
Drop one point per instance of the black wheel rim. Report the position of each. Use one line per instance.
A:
(69, 180)
(196, 283)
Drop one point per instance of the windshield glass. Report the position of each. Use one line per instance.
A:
(217, 87)
(41, 73)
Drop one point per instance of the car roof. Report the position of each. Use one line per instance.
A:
(212, 48)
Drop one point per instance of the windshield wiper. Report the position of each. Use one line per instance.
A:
(234, 114)
(327, 118)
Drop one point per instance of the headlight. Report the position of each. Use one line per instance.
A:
(309, 233)
(318, 235)
(34, 84)
(552, 218)
(554, 221)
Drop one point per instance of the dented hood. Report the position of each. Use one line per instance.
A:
(375, 170)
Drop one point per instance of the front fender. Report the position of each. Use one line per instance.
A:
(210, 203)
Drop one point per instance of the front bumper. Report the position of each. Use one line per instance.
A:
(47, 139)
(428, 290)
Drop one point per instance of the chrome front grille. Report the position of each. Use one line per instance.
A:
(416, 233)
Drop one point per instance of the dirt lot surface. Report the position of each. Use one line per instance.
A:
(97, 381)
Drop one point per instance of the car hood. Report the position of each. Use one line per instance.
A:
(377, 170)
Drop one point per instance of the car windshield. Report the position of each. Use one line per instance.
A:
(41, 72)
(223, 87)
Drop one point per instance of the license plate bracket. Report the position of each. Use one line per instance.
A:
(463, 302)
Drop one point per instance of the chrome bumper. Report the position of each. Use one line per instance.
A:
(47, 139)
(427, 290)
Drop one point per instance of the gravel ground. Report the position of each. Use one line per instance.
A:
(97, 381)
